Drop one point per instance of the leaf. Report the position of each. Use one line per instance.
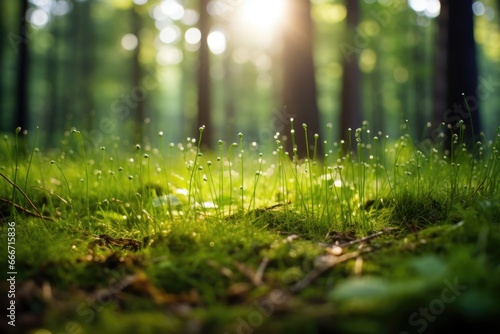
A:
(428, 265)
(368, 291)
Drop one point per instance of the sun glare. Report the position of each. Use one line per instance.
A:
(263, 15)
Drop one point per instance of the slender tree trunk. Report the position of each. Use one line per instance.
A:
(137, 74)
(461, 75)
(52, 121)
(229, 106)
(419, 113)
(22, 114)
(462, 71)
(440, 89)
(378, 115)
(3, 48)
(299, 86)
(204, 101)
(378, 124)
(350, 110)
(186, 127)
(73, 77)
(87, 48)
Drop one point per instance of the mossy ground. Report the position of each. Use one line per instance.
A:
(160, 240)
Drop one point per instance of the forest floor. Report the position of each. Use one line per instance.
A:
(85, 254)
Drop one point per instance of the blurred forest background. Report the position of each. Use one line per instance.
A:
(132, 68)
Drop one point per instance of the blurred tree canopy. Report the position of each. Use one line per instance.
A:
(132, 68)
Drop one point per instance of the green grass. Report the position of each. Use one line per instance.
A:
(174, 239)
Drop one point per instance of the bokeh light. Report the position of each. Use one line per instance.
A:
(401, 75)
(216, 42)
(192, 36)
(129, 42)
(60, 8)
(478, 8)
(172, 9)
(170, 34)
(367, 60)
(169, 55)
(264, 15)
(429, 8)
(190, 17)
(38, 17)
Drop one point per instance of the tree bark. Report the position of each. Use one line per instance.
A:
(3, 48)
(299, 86)
(456, 75)
(22, 115)
(137, 74)
(53, 121)
(87, 48)
(440, 89)
(350, 99)
(204, 107)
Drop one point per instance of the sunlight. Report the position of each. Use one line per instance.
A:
(129, 42)
(263, 15)
(429, 8)
(38, 18)
(216, 42)
(172, 9)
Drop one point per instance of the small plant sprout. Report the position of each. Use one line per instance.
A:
(192, 187)
(240, 136)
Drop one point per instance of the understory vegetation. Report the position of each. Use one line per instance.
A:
(394, 236)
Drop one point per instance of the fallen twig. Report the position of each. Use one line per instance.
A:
(17, 206)
(254, 276)
(368, 237)
(260, 271)
(327, 262)
(26, 197)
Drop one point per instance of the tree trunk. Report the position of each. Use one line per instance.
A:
(440, 89)
(3, 47)
(53, 119)
(87, 48)
(229, 94)
(204, 108)
(350, 109)
(419, 116)
(299, 86)
(22, 114)
(457, 80)
(463, 70)
(137, 74)
(378, 116)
